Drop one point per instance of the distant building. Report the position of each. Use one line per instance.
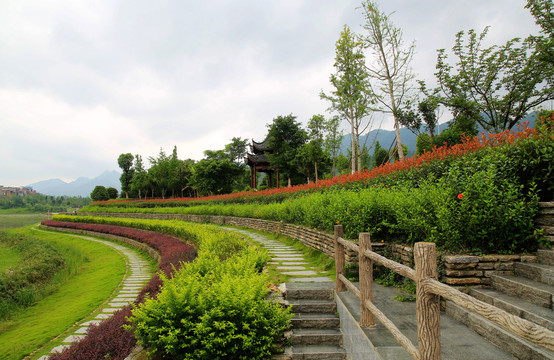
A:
(17, 191)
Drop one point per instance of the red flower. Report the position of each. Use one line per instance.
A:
(460, 195)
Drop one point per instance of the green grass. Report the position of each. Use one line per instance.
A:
(94, 271)
(8, 258)
(10, 221)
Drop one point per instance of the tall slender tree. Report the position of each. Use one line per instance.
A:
(125, 162)
(388, 63)
(351, 97)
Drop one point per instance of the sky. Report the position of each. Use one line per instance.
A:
(82, 82)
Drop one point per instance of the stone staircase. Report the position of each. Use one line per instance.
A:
(315, 330)
(528, 294)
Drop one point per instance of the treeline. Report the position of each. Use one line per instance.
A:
(42, 203)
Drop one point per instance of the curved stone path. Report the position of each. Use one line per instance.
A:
(286, 259)
(137, 275)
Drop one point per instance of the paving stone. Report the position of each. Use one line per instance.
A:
(103, 316)
(118, 304)
(44, 357)
(293, 263)
(91, 322)
(311, 279)
(59, 348)
(288, 258)
(73, 338)
(291, 268)
(300, 273)
(82, 330)
(110, 310)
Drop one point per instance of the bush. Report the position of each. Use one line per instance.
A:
(212, 309)
(112, 192)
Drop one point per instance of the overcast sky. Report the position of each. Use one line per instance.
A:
(84, 81)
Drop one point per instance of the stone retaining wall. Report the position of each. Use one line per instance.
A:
(456, 270)
(545, 220)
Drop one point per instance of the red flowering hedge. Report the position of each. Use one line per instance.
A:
(469, 145)
(110, 340)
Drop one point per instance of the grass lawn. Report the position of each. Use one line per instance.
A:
(94, 271)
(10, 221)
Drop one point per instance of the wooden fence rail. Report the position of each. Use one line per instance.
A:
(429, 290)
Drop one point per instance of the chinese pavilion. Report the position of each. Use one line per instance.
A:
(258, 162)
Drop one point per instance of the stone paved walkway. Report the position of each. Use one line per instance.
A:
(286, 259)
(138, 274)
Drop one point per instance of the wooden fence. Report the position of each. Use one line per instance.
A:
(428, 293)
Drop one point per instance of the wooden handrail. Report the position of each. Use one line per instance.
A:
(349, 285)
(521, 327)
(349, 244)
(393, 265)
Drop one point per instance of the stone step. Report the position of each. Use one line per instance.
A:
(329, 337)
(315, 321)
(309, 291)
(516, 306)
(537, 272)
(315, 353)
(546, 256)
(535, 292)
(311, 306)
(520, 348)
(547, 230)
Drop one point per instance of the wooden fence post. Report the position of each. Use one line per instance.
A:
(339, 259)
(366, 280)
(427, 304)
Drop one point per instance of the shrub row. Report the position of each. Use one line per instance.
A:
(29, 281)
(110, 339)
(219, 300)
(480, 212)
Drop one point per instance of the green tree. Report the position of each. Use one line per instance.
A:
(543, 11)
(380, 155)
(140, 177)
(99, 194)
(213, 175)
(333, 140)
(351, 97)
(497, 85)
(125, 162)
(112, 192)
(160, 172)
(236, 149)
(426, 113)
(286, 137)
(389, 63)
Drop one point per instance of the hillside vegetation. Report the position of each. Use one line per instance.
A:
(481, 195)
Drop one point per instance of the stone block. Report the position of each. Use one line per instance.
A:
(485, 266)
(529, 259)
(504, 266)
(495, 258)
(497, 272)
(461, 266)
(462, 281)
(461, 259)
(463, 273)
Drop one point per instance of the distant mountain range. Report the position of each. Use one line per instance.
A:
(386, 137)
(81, 187)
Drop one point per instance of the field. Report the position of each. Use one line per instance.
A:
(10, 221)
